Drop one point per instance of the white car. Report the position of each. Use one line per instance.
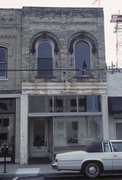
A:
(94, 159)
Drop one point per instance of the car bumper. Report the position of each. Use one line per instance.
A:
(54, 166)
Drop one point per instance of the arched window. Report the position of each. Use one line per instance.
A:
(82, 58)
(44, 59)
(3, 62)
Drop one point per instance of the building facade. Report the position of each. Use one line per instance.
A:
(114, 85)
(53, 92)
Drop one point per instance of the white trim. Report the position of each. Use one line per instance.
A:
(67, 88)
(64, 114)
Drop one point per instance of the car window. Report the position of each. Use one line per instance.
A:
(117, 146)
(94, 147)
(106, 147)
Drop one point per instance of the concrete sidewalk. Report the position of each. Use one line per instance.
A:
(26, 170)
(16, 170)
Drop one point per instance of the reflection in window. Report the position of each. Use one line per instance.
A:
(73, 105)
(3, 136)
(3, 62)
(106, 147)
(7, 105)
(117, 146)
(82, 103)
(4, 122)
(39, 133)
(72, 132)
(58, 104)
(44, 62)
(82, 58)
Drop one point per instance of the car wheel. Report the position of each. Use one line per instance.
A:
(92, 170)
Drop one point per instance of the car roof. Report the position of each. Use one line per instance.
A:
(106, 141)
(115, 140)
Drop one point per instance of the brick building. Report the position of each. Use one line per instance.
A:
(53, 93)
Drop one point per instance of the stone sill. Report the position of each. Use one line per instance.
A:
(42, 77)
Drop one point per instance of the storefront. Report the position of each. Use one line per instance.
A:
(7, 126)
(115, 117)
(61, 123)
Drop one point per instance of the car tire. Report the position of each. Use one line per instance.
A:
(92, 170)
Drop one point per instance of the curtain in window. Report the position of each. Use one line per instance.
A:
(44, 61)
(82, 58)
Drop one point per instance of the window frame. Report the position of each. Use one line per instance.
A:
(37, 58)
(5, 62)
(90, 57)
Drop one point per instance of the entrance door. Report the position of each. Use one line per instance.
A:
(38, 138)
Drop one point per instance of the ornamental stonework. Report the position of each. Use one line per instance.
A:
(62, 12)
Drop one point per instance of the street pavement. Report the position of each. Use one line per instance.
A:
(45, 172)
(64, 178)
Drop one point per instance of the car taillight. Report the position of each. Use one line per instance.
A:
(56, 160)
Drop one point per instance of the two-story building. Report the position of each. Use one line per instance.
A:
(53, 91)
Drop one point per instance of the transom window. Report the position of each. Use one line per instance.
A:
(3, 62)
(82, 58)
(44, 59)
(80, 103)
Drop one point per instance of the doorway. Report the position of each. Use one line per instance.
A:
(38, 137)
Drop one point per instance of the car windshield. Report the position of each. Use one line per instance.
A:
(117, 146)
(94, 147)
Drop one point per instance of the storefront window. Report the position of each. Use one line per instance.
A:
(73, 105)
(80, 103)
(77, 131)
(58, 104)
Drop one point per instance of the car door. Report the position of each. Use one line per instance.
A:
(117, 155)
(102, 151)
(107, 156)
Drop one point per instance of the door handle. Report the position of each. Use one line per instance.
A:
(115, 156)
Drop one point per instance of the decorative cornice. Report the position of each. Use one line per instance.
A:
(8, 37)
(83, 36)
(44, 36)
(65, 12)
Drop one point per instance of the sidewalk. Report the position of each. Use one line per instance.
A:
(25, 170)
(17, 170)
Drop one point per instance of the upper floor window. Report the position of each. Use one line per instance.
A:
(82, 58)
(3, 62)
(44, 59)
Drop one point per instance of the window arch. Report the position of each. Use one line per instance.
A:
(3, 62)
(82, 58)
(44, 59)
